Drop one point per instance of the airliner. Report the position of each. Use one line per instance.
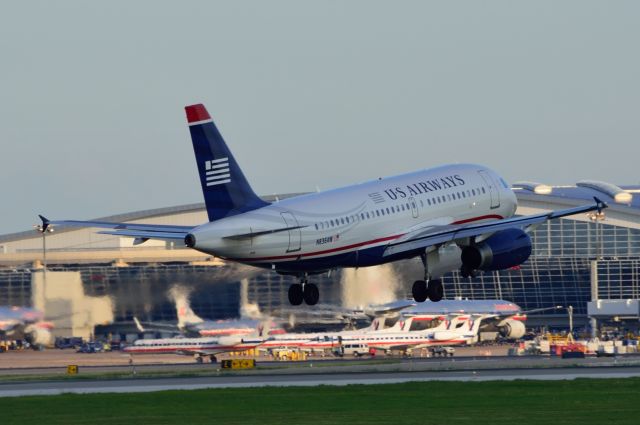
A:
(192, 324)
(452, 330)
(200, 348)
(452, 217)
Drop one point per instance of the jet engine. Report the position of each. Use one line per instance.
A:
(512, 329)
(230, 340)
(504, 249)
(38, 337)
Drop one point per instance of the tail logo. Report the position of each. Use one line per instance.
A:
(217, 171)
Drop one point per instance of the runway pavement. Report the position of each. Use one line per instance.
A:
(243, 381)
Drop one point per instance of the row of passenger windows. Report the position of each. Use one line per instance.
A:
(394, 338)
(395, 209)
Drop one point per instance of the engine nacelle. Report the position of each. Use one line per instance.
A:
(38, 336)
(230, 340)
(512, 329)
(504, 249)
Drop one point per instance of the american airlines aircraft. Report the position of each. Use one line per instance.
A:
(200, 348)
(458, 216)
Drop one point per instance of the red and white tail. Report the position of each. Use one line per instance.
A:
(186, 316)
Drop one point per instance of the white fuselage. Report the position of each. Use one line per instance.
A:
(191, 345)
(350, 226)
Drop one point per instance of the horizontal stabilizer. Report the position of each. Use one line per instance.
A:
(121, 226)
(140, 234)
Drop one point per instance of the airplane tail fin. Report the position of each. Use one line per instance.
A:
(186, 316)
(225, 188)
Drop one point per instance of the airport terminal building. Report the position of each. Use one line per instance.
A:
(589, 261)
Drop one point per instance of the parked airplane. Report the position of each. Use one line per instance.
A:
(200, 348)
(451, 330)
(251, 322)
(25, 323)
(458, 216)
(500, 316)
(192, 324)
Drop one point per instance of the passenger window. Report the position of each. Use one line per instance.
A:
(332, 223)
(316, 226)
(378, 213)
(342, 220)
(393, 210)
(473, 192)
(483, 190)
(463, 195)
(421, 203)
(362, 216)
(388, 211)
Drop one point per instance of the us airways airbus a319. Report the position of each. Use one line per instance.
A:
(452, 217)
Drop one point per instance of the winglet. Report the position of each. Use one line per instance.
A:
(45, 222)
(600, 204)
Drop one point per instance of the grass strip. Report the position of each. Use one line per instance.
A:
(583, 401)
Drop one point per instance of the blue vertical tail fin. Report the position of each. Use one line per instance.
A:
(225, 188)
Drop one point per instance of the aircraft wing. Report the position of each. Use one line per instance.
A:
(437, 235)
(399, 347)
(134, 230)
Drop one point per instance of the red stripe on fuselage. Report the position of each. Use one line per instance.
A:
(326, 251)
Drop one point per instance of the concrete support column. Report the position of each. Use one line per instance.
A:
(594, 295)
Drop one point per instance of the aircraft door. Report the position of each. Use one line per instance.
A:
(294, 234)
(494, 193)
(414, 207)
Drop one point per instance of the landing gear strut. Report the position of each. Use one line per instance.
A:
(307, 292)
(427, 288)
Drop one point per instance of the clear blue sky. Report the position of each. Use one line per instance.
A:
(307, 94)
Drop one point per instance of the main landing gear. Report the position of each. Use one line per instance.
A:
(307, 292)
(427, 288)
(431, 289)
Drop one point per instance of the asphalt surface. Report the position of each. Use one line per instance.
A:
(300, 379)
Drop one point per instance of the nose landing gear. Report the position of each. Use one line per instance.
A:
(427, 288)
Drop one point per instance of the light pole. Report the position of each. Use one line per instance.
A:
(596, 217)
(570, 311)
(43, 229)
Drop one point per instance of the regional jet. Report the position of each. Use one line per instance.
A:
(199, 348)
(458, 216)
